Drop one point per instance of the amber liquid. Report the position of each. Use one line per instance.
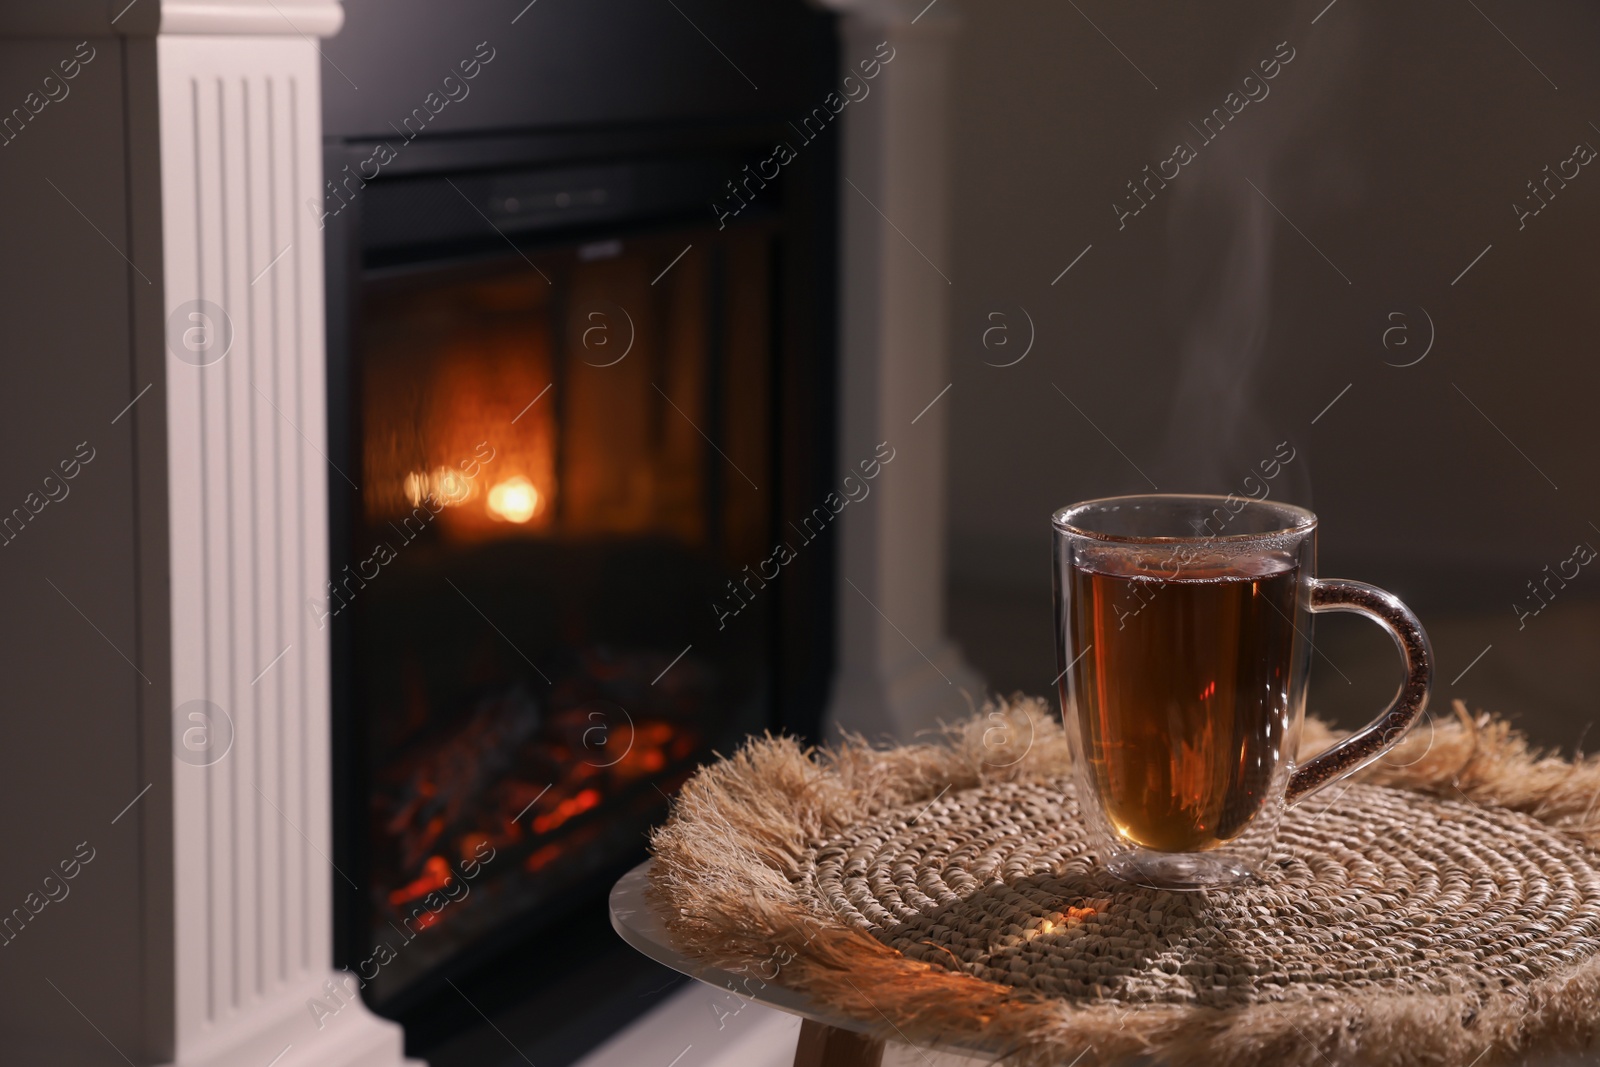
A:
(1183, 696)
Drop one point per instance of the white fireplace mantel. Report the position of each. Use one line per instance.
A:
(189, 144)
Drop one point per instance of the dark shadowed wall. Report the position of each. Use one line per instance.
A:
(1370, 197)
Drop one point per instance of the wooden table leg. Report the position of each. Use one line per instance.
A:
(827, 1046)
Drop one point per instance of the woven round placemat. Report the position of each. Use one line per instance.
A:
(1442, 908)
(1384, 889)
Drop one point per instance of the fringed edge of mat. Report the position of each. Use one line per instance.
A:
(739, 829)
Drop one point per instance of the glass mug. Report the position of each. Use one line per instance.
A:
(1183, 639)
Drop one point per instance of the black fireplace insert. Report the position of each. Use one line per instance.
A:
(570, 403)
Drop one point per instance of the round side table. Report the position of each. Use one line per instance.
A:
(827, 1039)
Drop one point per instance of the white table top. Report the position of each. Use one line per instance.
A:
(637, 922)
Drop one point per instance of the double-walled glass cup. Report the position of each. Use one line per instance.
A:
(1183, 636)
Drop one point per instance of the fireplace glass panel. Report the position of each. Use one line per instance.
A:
(562, 468)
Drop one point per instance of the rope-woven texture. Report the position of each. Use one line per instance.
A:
(1383, 889)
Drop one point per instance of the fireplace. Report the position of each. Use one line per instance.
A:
(227, 555)
(575, 409)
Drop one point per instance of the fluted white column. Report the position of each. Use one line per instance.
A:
(239, 100)
(897, 671)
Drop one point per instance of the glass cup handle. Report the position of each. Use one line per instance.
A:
(1377, 737)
